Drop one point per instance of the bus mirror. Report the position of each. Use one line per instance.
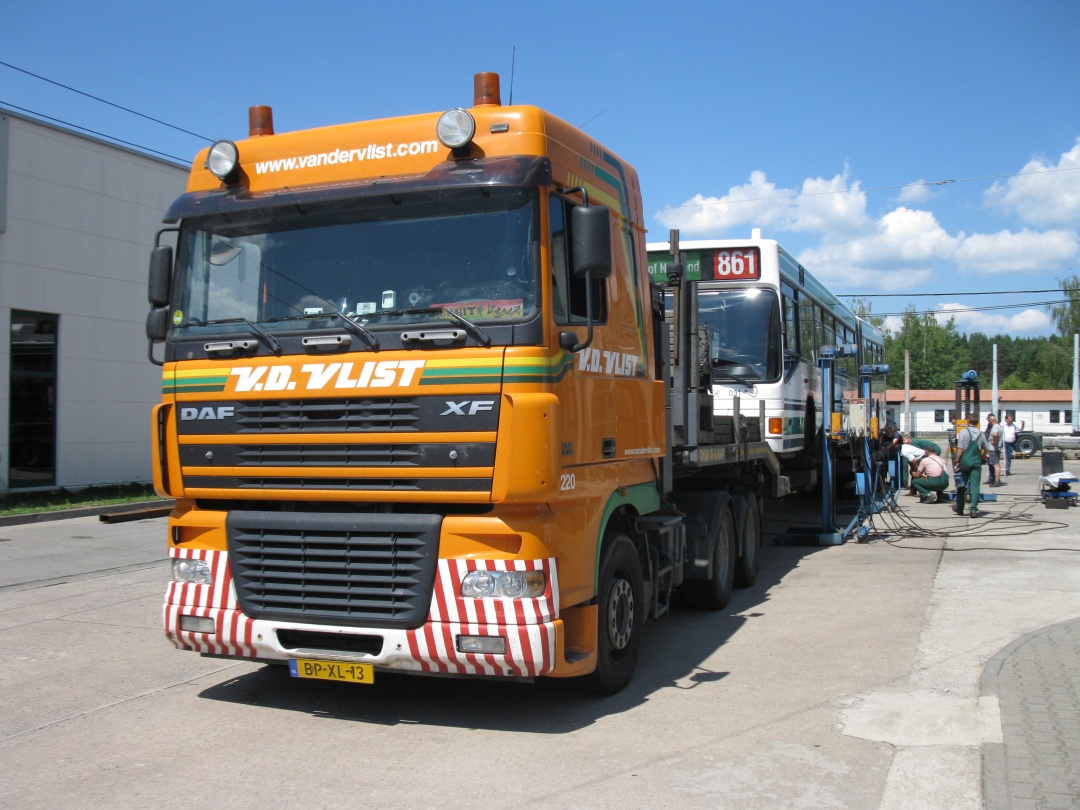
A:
(157, 324)
(591, 226)
(161, 259)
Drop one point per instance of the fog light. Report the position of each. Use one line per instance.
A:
(223, 159)
(507, 584)
(194, 571)
(491, 645)
(196, 624)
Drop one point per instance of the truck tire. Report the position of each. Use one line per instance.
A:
(1026, 444)
(749, 521)
(621, 616)
(715, 592)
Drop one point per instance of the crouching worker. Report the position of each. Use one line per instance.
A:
(930, 477)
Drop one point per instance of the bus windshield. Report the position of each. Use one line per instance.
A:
(744, 333)
(382, 260)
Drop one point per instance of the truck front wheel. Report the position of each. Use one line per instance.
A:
(622, 610)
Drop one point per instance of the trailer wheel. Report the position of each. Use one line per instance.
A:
(621, 599)
(1026, 444)
(714, 593)
(748, 563)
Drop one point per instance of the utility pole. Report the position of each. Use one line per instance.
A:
(907, 391)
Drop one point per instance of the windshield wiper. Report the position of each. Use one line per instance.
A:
(261, 333)
(350, 325)
(478, 334)
(358, 329)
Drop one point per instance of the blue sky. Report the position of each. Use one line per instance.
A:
(825, 124)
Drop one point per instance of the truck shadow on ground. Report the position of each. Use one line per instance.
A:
(675, 655)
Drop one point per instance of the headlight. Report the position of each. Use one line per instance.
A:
(507, 584)
(194, 571)
(223, 159)
(456, 128)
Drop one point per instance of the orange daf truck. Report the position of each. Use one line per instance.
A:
(423, 409)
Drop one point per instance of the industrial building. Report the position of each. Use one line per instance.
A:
(78, 218)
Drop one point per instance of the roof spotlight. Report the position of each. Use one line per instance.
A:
(456, 128)
(223, 159)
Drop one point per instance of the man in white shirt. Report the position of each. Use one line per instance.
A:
(1008, 436)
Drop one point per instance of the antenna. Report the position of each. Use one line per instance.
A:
(513, 59)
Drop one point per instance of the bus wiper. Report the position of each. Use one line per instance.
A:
(478, 334)
(261, 333)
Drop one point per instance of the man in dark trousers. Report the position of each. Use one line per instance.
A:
(970, 442)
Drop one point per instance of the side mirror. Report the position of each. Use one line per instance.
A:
(161, 260)
(157, 324)
(591, 227)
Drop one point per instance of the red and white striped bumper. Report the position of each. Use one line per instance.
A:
(528, 625)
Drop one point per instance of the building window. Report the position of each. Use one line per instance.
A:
(1012, 413)
(1056, 417)
(939, 415)
(33, 400)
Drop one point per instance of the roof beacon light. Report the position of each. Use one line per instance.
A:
(223, 159)
(486, 89)
(456, 128)
(260, 121)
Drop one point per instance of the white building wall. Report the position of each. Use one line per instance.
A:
(1035, 415)
(81, 219)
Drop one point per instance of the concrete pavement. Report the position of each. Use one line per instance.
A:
(902, 672)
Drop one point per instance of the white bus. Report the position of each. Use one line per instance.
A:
(768, 318)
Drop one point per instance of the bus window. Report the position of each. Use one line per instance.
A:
(745, 334)
(791, 319)
(807, 342)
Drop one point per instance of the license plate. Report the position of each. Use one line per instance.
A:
(331, 671)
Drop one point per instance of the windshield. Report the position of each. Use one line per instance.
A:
(744, 337)
(391, 260)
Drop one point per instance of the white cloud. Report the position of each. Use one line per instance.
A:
(1025, 322)
(830, 206)
(759, 202)
(916, 192)
(902, 238)
(1043, 194)
(1026, 251)
(822, 206)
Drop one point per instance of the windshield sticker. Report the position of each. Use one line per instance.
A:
(178, 317)
(486, 310)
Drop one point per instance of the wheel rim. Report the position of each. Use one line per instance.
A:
(620, 623)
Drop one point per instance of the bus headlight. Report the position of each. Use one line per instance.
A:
(507, 584)
(195, 571)
(456, 128)
(223, 159)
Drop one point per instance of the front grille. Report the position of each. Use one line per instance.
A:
(360, 415)
(374, 570)
(456, 455)
(327, 415)
(196, 483)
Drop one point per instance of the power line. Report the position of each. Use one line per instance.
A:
(110, 103)
(947, 294)
(969, 309)
(93, 132)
